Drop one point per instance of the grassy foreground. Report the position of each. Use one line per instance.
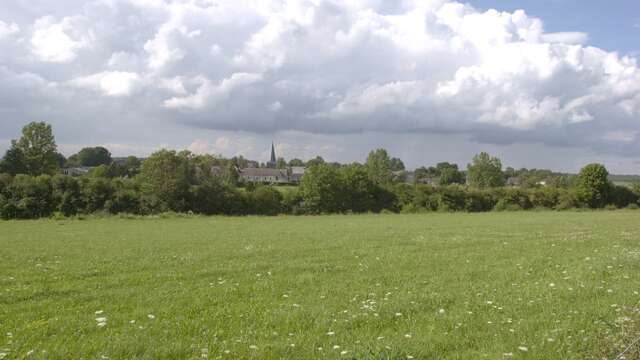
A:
(437, 286)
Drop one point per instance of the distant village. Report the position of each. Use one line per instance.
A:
(278, 171)
(271, 173)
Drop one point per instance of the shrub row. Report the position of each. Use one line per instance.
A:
(459, 198)
(30, 197)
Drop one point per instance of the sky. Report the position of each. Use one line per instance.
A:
(539, 83)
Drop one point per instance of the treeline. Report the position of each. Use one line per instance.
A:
(169, 181)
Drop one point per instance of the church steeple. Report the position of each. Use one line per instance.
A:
(273, 162)
(273, 153)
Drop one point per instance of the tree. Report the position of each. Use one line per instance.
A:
(449, 174)
(315, 161)
(281, 163)
(208, 197)
(103, 171)
(485, 171)
(379, 167)
(421, 174)
(35, 153)
(131, 167)
(360, 193)
(321, 189)
(94, 156)
(126, 197)
(97, 191)
(29, 197)
(396, 164)
(13, 162)
(240, 162)
(593, 185)
(266, 200)
(358, 188)
(67, 194)
(164, 181)
(296, 162)
(230, 175)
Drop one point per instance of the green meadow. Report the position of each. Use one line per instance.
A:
(523, 285)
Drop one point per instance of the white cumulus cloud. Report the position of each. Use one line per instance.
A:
(59, 42)
(207, 93)
(110, 83)
(7, 29)
(321, 68)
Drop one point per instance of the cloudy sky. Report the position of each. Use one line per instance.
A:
(540, 83)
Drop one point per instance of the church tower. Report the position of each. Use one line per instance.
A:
(273, 162)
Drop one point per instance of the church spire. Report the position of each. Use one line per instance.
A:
(273, 153)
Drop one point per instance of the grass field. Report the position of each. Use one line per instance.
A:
(535, 285)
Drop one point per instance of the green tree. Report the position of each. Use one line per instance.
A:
(125, 198)
(164, 181)
(103, 171)
(379, 167)
(35, 153)
(358, 189)
(396, 164)
(321, 189)
(29, 197)
(360, 193)
(230, 175)
(130, 167)
(421, 174)
(13, 162)
(96, 191)
(593, 187)
(94, 156)
(449, 174)
(240, 162)
(296, 162)
(266, 200)
(315, 161)
(281, 163)
(67, 194)
(485, 171)
(208, 196)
